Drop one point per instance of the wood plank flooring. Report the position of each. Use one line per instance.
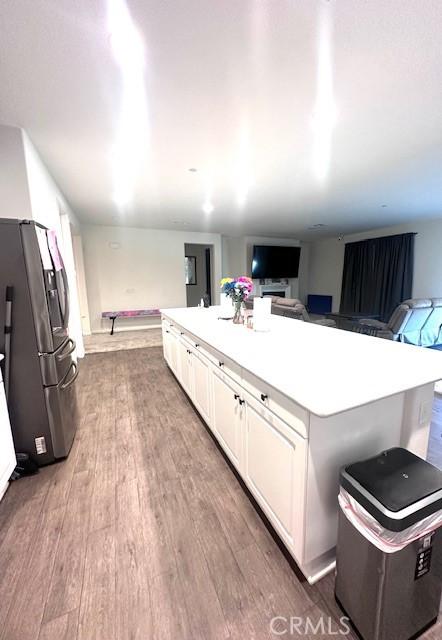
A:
(144, 532)
(122, 340)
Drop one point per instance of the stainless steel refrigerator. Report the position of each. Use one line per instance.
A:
(42, 380)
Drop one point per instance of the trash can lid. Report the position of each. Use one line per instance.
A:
(396, 487)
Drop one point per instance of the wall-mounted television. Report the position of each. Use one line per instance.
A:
(275, 262)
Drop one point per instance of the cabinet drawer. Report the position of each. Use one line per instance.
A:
(290, 412)
(168, 325)
(217, 359)
(223, 363)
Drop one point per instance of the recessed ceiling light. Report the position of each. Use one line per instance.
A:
(208, 208)
(319, 225)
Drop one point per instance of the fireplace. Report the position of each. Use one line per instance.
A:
(279, 294)
(279, 289)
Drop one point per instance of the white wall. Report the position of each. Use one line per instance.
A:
(325, 269)
(28, 191)
(145, 270)
(234, 256)
(14, 193)
(327, 260)
(49, 207)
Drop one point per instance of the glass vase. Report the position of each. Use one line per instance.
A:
(238, 316)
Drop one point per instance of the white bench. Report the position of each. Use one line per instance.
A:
(129, 313)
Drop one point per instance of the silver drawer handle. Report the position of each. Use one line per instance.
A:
(63, 356)
(64, 384)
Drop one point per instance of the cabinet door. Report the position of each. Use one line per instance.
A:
(226, 417)
(173, 352)
(184, 369)
(275, 466)
(201, 386)
(166, 344)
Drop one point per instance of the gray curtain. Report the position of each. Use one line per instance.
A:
(378, 275)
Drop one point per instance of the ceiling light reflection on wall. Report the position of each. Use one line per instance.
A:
(208, 207)
(127, 45)
(122, 197)
(325, 113)
(128, 153)
(243, 174)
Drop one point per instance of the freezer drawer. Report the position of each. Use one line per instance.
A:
(55, 366)
(62, 407)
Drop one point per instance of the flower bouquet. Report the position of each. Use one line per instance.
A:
(238, 290)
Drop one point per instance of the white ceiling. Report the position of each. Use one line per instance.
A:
(294, 112)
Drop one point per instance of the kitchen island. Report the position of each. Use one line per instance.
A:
(291, 406)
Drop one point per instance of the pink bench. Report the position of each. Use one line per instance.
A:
(132, 313)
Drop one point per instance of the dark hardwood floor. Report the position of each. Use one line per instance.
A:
(144, 532)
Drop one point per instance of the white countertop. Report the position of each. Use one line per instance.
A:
(325, 370)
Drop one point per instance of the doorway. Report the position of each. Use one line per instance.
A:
(198, 273)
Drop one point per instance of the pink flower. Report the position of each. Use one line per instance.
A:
(246, 282)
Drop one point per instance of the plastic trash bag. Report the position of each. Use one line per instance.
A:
(384, 539)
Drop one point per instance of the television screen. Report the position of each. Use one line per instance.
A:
(275, 262)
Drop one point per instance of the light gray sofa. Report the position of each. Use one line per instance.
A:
(292, 308)
(416, 321)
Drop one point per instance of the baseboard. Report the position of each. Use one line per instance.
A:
(121, 329)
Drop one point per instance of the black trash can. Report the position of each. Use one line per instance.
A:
(389, 551)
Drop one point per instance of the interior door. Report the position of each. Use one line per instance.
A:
(227, 415)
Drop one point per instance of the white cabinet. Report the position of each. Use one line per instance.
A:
(184, 366)
(170, 347)
(166, 343)
(268, 453)
(200, 372)
(227, 413)
(173, 351)
(193, 371)
(7, 453)
(274, 470)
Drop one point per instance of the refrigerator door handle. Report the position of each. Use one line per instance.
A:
(64, 384)
(66, 298)
(62, 356)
